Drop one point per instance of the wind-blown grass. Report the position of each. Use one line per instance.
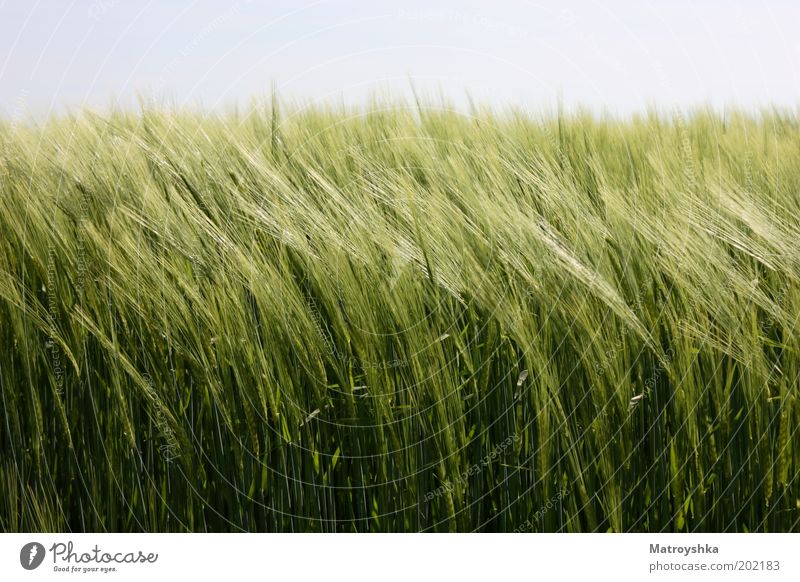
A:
(394, 319)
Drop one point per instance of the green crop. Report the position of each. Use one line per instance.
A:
(400, 319)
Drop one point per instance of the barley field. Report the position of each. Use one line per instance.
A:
(400, 317)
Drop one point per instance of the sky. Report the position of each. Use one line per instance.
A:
(613, 55)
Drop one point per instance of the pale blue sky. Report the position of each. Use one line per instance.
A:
(617, 54)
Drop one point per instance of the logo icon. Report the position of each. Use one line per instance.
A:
(31, 555)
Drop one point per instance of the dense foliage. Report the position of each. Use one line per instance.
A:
(400, 319)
